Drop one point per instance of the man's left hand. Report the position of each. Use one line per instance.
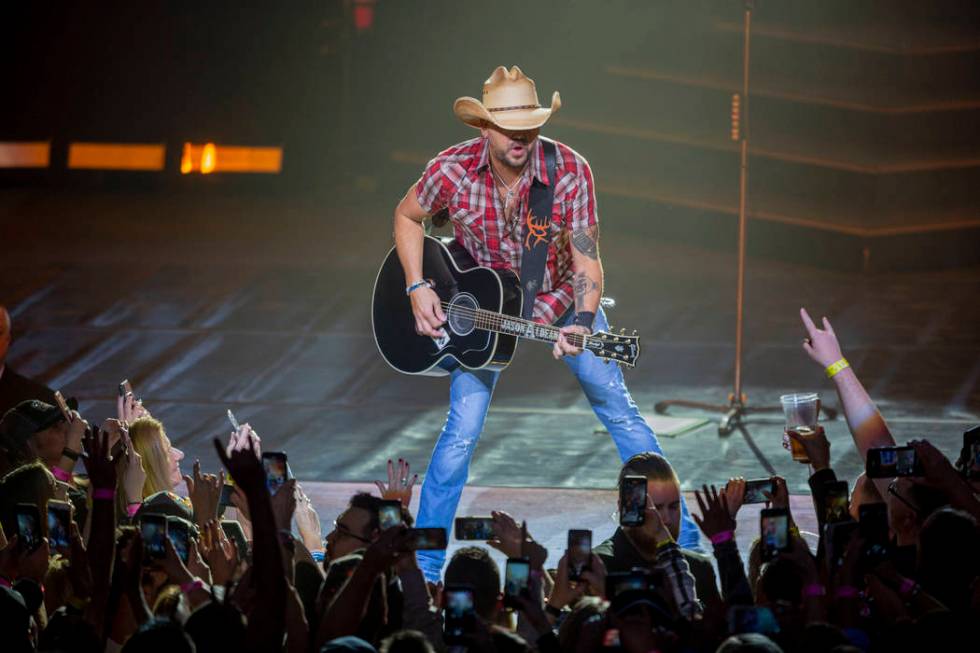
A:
(563, 347)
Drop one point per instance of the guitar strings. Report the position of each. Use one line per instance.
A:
(496, 319)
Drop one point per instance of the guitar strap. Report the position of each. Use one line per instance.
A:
(536, 232)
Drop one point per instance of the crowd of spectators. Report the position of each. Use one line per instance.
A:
(101, 551)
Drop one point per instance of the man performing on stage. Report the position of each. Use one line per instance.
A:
(485, 184)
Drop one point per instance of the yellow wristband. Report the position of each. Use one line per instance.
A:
(661, 544)
(834, 368)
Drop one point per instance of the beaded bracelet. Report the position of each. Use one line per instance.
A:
(61, 475)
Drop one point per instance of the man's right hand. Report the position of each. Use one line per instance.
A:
(429, 316)
(821, 344)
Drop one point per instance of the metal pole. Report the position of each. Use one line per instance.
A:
(742, 179)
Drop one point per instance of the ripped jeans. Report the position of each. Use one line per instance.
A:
(469, 399)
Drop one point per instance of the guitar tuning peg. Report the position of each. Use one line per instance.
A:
(622, 332)
(634, 332)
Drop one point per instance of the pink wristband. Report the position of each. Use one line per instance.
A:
(815, 590)
(61, 475)
(847, 592)
(133, 508)
(105, 493)
(190, 586)
(724, 536)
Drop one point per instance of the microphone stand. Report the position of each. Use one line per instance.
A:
(737, 407)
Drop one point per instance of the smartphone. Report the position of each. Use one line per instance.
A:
(234, 422)
(125, 388)
(460, 613)
(774, 531)
(28, 525)
(227, 490)
(274, 463)
(579, 553)
(755, 489)
(873, 526)
(59, 524)
(632, 500)
(179, 533)
(234, 532)
(836, 502)
(752, 619)
(423, 539)
(836, 538)
(62, 405)
(889, 462)
(153, 528)
(639, 579)
(474, 528)
(516, 576)
(389, 514)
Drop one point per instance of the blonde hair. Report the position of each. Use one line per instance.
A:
(151, 443)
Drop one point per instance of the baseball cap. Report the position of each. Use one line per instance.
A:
(27, 418)
(166, 503)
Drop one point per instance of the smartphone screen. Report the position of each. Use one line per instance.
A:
(755, 489)
(837, 536)
(231, 418)
(227, 490)
(389, 514)
(274, 463)
(59, 524)
(516, 576)
(889, 462)
(579, 553)
(873, 521)
(971, 453)
(474, 528)
(835, 502)
(460, 615)
(632, 500)
(153, 528)
(423, 539)
(618, 582)
(125, 388)
(774, 531)
(28, 526)
(752, 619)
(179, 534)
(234, 532)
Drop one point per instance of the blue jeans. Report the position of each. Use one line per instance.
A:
(469, 399)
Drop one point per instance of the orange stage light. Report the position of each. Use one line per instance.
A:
(25, 155)
(210, 158)
(116, 156)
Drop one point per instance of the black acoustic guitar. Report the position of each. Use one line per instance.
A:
(483, 322)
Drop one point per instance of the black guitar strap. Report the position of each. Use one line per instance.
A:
(536, 232)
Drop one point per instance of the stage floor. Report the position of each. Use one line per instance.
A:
(261, 304)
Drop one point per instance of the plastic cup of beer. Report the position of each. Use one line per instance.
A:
(802, 411)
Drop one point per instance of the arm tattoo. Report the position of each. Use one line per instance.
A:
(587, 241)
(583, 286)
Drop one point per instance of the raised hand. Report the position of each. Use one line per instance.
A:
(101, 469)
(204, 491)
(243, 464)
(400, 482)
(937, 467)
(76, 432)
(507, 535)
(779, 499)
(221, 553)
(307, 521)
(715, 515)
(245, 436)
(284, 504)
(79, 572)
(134, 476)
(734, 493)
(196, 564)
(129, 408)
(815, 444)
(564, 592)
(821, 344)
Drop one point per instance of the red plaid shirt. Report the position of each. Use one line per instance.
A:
(460, 179)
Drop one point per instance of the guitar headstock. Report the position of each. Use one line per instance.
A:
(617, 347)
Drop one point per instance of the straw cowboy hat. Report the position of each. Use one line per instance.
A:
(510, 101)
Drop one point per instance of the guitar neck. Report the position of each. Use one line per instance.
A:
(516, 326)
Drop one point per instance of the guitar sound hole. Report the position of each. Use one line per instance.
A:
(461, 314)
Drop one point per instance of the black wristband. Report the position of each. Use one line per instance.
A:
(71, 455)
(584, 318)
